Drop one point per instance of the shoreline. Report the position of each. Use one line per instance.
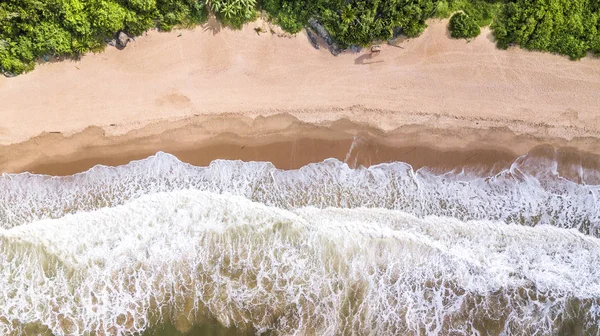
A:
(289, 143)
(497, 211)
(201, 93)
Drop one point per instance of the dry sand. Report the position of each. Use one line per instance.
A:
(217, 93)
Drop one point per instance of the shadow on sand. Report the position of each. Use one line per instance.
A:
(212, 25)
(366, 59)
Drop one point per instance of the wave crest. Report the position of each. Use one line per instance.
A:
(530, 193)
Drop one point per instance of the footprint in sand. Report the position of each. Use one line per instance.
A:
(174, 99)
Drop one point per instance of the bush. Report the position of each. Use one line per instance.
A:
(482, 11)
(356, 22)
(292, 16)
(234, 13)
(463, 26)
(570, 27)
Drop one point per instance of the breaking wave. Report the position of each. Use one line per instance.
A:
(530, 192)
(324, 250)
(184, 257)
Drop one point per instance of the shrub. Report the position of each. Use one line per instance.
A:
(234, 13)
(570, 27)
(463, 26)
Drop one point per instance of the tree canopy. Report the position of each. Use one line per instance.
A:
(354, 22)
(569, 27)
(463, 26)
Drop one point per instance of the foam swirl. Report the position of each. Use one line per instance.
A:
(187, 256)
(523, 194)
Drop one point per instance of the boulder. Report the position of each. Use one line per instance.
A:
(312, 38)
(122, 40)
(355, 48)
(324, 34)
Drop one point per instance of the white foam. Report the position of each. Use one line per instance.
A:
(521, 194)
(188, 255)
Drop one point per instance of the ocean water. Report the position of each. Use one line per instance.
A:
(162, 247)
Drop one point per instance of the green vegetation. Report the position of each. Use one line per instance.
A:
(570, 27)
(234, 13)
(354, 22)
(32, 29)
(360, 21)
(482, 11)
(463, 26)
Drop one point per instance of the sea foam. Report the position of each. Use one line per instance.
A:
(530, 192)
(188, 256)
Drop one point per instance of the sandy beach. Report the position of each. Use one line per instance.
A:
(212, 93)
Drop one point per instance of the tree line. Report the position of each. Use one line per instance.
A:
(34, 29)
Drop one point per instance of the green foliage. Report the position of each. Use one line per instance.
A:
(291, 15)
(171, 13)
(107, 17)
(234, 13)
(30, 29)
(482, 11)
(569, 27)
(463, 26)
(353, 22)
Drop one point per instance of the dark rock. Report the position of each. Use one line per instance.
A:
(324, 34)
(312, 38)
(112, 43)
(122, 40)
(320, 30)
(355, 48)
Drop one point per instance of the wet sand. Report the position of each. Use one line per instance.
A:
(202, 140)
